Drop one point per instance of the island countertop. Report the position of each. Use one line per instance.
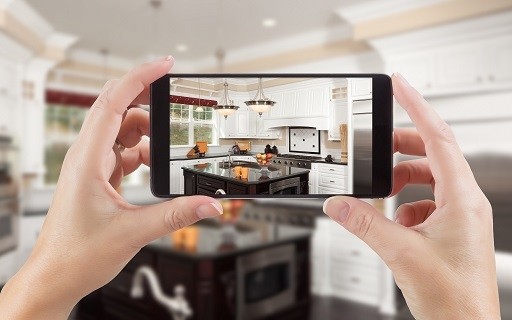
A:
(255, 176)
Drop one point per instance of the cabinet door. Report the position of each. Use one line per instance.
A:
(230, 125)
(361, 88)
(501, 62)
(417, 69)
(242, 123)
(459, 66)
(319, 101)
(278, 109)
(303, 103)
(289, 104)
(176, 176)
(339, 115)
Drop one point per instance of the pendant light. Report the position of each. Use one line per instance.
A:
(260, 103)
(199, 108)
(226, 107)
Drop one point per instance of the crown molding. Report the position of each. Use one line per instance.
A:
(477, 29)
(378, 8)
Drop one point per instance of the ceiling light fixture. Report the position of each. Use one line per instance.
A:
(260, 103)
(226, 107)
(182, 47)
(269, 23)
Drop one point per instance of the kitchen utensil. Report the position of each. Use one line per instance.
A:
(203, 146)
(328, 158)
(236, 149)
(274, 150)
(268, 149)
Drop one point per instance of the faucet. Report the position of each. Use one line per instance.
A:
(229, 156)
(177, 306)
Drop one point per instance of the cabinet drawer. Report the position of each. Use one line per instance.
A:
(327, 190)
(354, 254)
(358, 279)
(332, 181)
(333, 168)
(210, 183)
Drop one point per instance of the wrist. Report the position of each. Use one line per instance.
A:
(36, 292)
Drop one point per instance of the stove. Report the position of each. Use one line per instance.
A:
(295, 160)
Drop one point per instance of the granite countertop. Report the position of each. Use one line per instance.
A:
(255, 176)
(336, 161)
(214, 240)
(209, 155)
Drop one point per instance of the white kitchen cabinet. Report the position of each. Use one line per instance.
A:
(500, 62)
(458, 66)
(247, 124)
(177, 184)
(418, 69)
(313, 176)
(277, 110)
(339, 114)
(343, 266)
(30, 228)
(332, 179)
(361, 88)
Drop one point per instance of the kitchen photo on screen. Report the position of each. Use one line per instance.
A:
(270, 136)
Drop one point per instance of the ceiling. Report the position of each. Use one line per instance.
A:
(133, 29)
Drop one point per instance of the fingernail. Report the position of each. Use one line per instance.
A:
(166, 58)
(209, 210)
(401, 79)
(338, 209)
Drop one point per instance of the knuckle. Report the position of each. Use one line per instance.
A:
(361, 224)
(173, 220)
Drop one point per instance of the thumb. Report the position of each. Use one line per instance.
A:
(387, 238)
(152, 222)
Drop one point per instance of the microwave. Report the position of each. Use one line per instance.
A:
(266, 282)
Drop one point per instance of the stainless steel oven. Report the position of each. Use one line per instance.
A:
(9, 202)
(265, 282)
(285, 186)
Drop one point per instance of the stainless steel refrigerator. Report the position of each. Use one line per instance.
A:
(362, 152)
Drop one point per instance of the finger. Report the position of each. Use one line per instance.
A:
(408, 141)
(145, 224)
(134, 157)
(447, 162)
(415, 171)
(385, 237)
(412, 214)
(117, 174)
(102, 126)
(134, 126)
(143, 97)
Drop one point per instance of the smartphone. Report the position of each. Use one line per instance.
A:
(271, 135)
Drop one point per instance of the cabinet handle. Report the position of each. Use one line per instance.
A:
(331, 169)
(331, 181)
(208, 184)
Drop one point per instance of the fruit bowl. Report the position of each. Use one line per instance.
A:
(263, 160)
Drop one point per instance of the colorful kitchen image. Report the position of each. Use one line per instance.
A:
(268, 258)
(283, 136)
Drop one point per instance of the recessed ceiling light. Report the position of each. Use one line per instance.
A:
(181, 47)
(269, 23)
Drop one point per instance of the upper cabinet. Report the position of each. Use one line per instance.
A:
(361, 88)
(458, 68)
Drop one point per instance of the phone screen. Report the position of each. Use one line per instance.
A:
(273, 136)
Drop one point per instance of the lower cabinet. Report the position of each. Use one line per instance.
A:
(344, 266)
(327, 178)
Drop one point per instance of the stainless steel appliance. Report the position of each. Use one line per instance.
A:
(266, 282)
(362, 146)
(9, 202)
(285, 186)
(294, 160)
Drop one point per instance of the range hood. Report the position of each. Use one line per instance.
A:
(320, 123)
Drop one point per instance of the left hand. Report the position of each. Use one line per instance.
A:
(91, 232)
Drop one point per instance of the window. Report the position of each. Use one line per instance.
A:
(189, 125)
(63, 122)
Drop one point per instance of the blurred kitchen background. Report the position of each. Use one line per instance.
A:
(262, 259)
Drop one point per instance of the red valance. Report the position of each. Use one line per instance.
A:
(86, 100)
(192, 101)
(70, 98)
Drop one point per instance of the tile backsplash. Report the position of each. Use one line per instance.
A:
(304, 140)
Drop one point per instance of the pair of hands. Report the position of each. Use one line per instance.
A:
(441, 253)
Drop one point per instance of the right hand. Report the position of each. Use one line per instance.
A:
(441, 253)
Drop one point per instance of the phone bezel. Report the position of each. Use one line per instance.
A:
(382, 119)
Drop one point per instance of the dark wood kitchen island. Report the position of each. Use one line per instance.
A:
(206, 179)
(228, 272)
